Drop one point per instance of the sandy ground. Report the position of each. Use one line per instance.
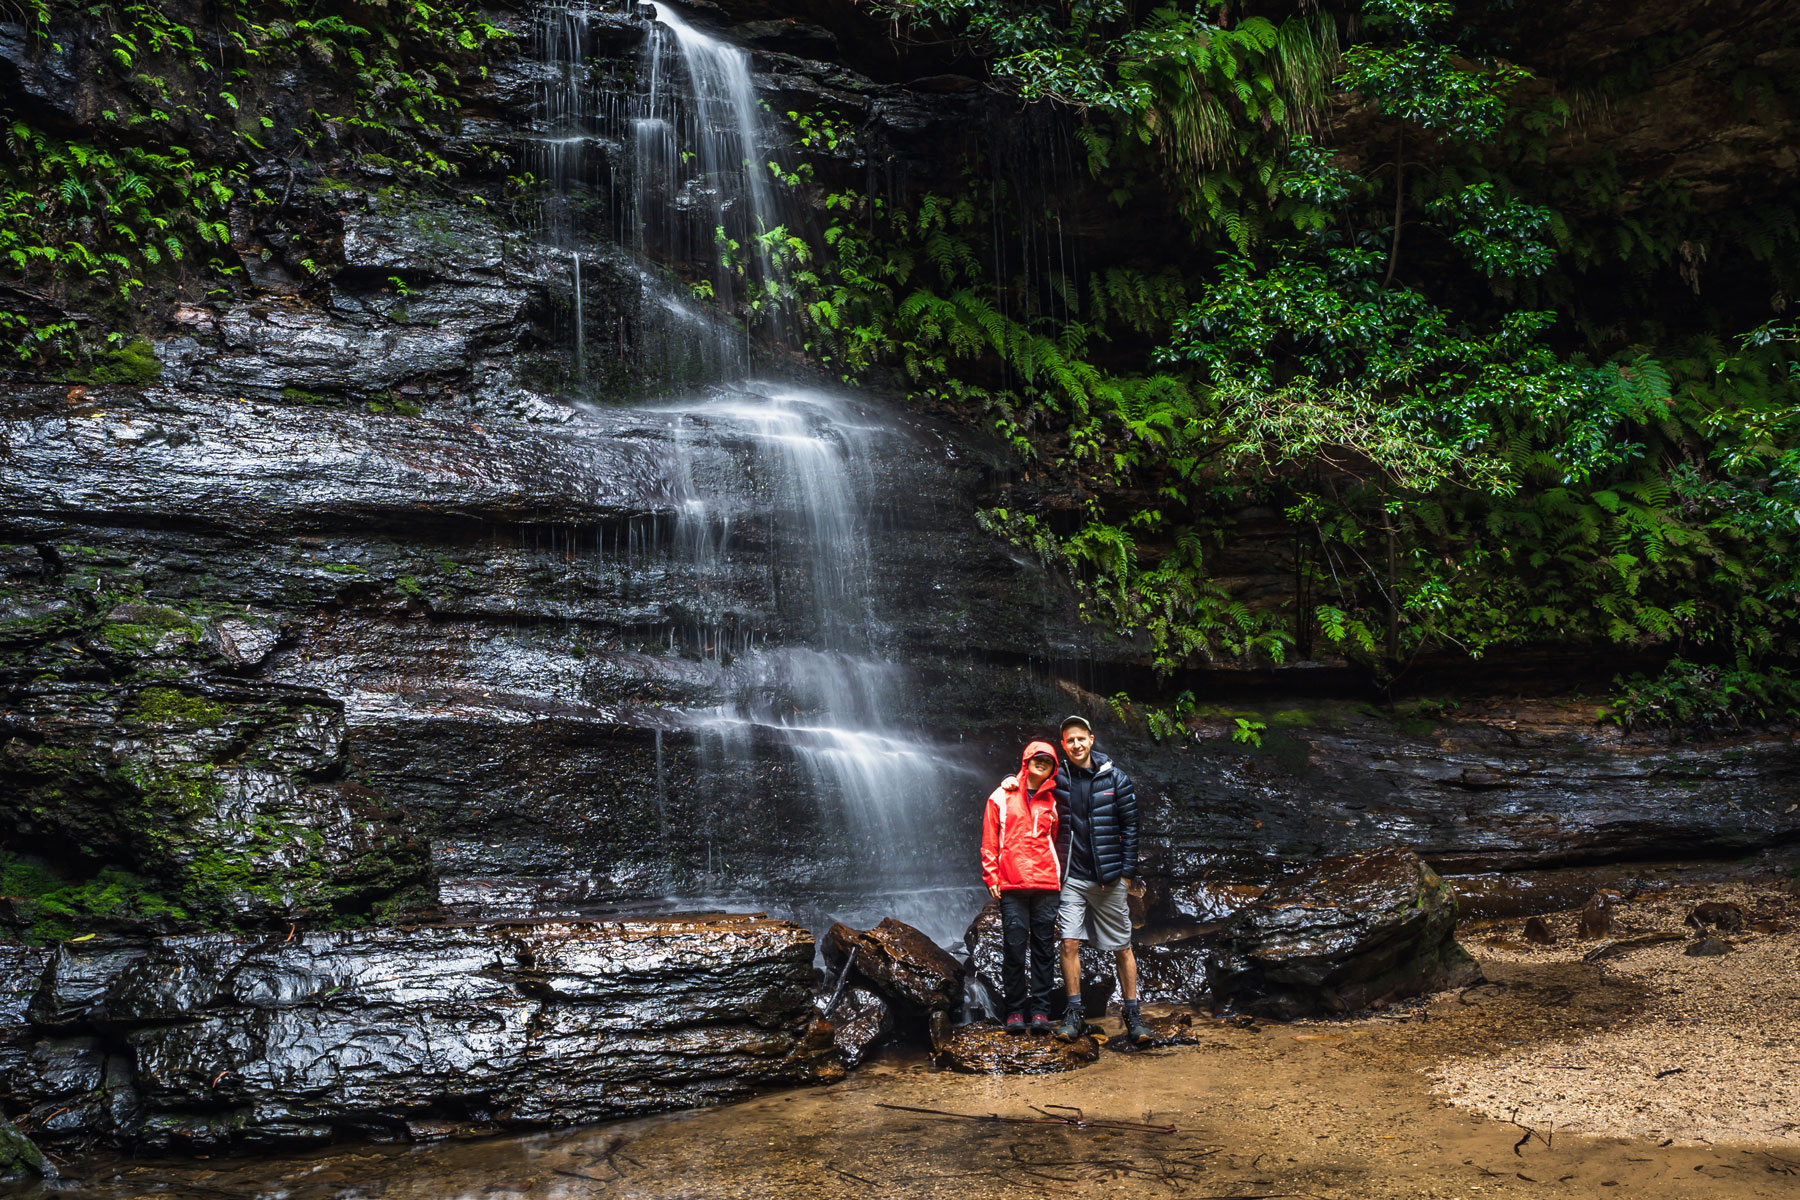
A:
(1468, 1095)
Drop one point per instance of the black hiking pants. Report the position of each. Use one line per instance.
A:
(1028, 928)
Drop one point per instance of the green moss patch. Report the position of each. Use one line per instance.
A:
(166, 706)
(134, 630)
(133, 365)
(54, 909)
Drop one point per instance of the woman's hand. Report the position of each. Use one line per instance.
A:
(994, 892)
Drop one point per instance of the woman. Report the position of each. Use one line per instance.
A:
(1020, 868)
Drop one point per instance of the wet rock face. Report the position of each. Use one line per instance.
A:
(1498, 787)
(220, 801)
(900, 963)
(1339, 934)
(211, 1042)
(1172, 967)
(861, 1022)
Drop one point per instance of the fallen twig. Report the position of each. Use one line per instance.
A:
(1078, 1121)
(1519, 1146)
(843, 978)
(1669, 1072)
(1614, 949)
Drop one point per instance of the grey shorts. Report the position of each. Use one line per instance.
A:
(1094, 913)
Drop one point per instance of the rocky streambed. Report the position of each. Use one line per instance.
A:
(1342, 1109)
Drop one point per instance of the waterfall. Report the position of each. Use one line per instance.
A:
(833, 703)
(727, 134)
(660, 166)
(806, 695)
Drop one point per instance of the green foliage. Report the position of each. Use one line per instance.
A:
(91, 223)
(1248, 732)
(1387, 348)
(1692, 695)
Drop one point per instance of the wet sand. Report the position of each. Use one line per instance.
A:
(1346, 1110)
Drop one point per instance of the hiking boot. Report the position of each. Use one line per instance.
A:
(1015, 1022)
(1040, 1022)
(1073, 1023)
(1137, 1030)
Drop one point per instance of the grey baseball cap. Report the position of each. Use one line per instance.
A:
(1074, 720)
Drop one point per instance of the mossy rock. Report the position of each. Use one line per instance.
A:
(134, 365)
(19, 1156)
(168, 804)
(149, 630)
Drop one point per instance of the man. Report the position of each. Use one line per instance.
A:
(1097, 842)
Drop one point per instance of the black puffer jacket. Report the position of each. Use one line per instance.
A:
(1099, 806)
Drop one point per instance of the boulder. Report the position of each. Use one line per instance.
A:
(1338, 935)
(1172, 964)
(900, 963)
(984, 1049)
(19, 1156)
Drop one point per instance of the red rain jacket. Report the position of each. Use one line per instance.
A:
(1018, 834)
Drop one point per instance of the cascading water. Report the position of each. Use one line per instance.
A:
(664, 171)
(719, 122)
(834, 702)
(802, 674)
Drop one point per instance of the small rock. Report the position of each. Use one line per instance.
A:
(1719, 914)
(1537, 932)
(860, 1022)
(983, 1049)
(1708, 947)
(1597, 915)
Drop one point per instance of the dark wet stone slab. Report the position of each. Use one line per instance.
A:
(245, 1042)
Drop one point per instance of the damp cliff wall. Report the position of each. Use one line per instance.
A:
(351, 589)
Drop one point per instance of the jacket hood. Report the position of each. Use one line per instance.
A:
(1031, 751)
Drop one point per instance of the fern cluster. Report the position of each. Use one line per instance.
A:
(88, 223)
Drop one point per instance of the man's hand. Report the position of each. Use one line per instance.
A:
(994, 891)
